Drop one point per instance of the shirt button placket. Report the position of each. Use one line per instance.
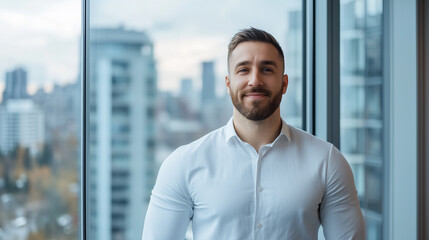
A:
(259, 189)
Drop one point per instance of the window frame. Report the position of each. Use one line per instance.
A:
(321, 102)
(402, 64)
(400, 181)
(423, 109)
(84, 56)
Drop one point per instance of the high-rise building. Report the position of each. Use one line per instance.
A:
(362, 123)
(186, 88)
(122, 136)
(214, 111)
(189, 95)
(209, 84)
(21, 124)
(16, 85)
(65, 102)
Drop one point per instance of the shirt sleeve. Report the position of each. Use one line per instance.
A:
(340, 212)
(170, 207)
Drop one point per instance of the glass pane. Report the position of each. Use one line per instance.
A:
(157, 82)
(39, 119)
(361, 122)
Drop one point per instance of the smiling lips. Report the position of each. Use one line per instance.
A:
(255, 95)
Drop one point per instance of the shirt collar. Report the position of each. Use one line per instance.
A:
(230, 131)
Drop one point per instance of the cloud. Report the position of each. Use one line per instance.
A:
(183, 56)
(186, 33)
(44, 35)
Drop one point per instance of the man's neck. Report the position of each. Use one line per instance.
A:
(257, 133)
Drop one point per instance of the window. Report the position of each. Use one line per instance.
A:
(160, 71)
(158, 68)
(40, 116)
(361, 116)
(155, 77)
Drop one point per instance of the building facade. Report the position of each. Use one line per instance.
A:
(362, 124)
(21, 124)
(122, 98)
(208, 94)
(16, 85)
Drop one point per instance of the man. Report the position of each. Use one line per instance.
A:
(256, 177)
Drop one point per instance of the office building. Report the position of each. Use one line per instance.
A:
(121, 143)
(21, 124)
(16, 85)
(64, 100)
(189, 95)
(209, 85)
(361, 106)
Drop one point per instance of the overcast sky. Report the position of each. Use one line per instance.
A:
(43, 36)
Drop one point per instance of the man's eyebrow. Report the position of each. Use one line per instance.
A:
(264, 62)
(268, 62)
(241, 64)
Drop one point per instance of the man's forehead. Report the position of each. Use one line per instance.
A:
(251, 49)
(254, 51)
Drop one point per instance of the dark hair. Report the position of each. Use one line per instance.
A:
(255, 35)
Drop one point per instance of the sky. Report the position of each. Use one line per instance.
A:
(43, 36)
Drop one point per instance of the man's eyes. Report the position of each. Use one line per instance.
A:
(242, 70)
(266, 69)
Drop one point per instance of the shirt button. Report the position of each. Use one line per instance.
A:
(260, 189)
(259, 226)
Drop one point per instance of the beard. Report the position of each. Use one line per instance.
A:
(260, 109)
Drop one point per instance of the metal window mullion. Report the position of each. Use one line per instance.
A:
(403, 119)
(423, 117)
(308, 63)
(386, 121)
(84, 136)
(327, 70)
(334, 72)
(304, 64)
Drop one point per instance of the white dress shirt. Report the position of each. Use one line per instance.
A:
(231, 191)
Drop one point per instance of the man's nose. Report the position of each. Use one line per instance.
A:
(255, 79)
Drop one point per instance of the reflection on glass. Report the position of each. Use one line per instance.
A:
(39, 120)
(157, 82)
(361, 105)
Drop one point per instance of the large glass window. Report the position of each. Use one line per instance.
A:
(361, 105)
(39, 119)
(157, 82)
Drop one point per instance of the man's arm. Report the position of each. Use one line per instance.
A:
(340, 212)
(170, 207)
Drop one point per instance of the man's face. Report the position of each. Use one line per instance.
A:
(256, 82)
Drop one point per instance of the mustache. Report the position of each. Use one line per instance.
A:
(258, 90)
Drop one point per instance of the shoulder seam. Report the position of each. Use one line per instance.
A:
(327, 165)
(186, 175)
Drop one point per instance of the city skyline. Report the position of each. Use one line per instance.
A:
(52, 48)
(143, 103)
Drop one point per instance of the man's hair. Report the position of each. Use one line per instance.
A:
(253, 35)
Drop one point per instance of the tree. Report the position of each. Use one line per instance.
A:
(28, 163)
(46, 157)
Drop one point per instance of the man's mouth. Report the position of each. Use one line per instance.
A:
(255, 95)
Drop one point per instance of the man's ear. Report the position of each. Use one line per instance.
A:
(285, 81)
(227, 84)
